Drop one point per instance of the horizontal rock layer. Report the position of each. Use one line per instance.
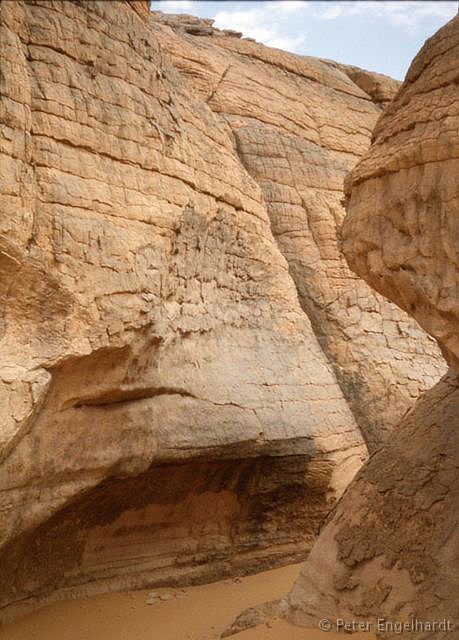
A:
(155, 357)
(402, 232)
(298, 125)
(390, 549)
(173, 524)
(149, 319)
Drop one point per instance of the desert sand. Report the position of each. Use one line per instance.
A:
(194, 613)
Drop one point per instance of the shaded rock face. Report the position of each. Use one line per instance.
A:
(155, 359)
(391, 548)
(298, 125)
(170, 525)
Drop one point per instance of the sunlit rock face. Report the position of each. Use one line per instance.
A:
(156, 368)
(402, 231)
(299, 125)
(170, 411)
(390, 549)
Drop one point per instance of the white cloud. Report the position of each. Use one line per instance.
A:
(333, 11)
(260, 23)
(288, 6)
(284, 42)
(173, 6)
(407, 14)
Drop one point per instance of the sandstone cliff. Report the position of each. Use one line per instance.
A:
(298, 126)
(169, 411)
(390, 550)
(406, 242)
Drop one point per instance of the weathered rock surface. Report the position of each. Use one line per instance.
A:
(402, 232)
(298, 125)
(168, 411)
(152, 342)
(391, 548)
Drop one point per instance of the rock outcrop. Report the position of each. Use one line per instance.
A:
(169, 411)
(402, 234)
(298, 126)
(391, 548)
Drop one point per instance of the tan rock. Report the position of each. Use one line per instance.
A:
(401, 233)
(390, 549)
(379, 87)
(167, 412)
(299, 124)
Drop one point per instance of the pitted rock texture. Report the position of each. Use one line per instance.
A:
(148, 319)
(390, 550)
(402, 231)
(379, 87)
(298, 125)
(156, 361)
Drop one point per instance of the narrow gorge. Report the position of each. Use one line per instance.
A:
(199, 349)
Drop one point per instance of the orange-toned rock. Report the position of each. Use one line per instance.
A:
(402, 231)
(167, 412)
(170, 411)
(390, 549)
(298, 125)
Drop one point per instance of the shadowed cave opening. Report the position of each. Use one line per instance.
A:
(176, 524)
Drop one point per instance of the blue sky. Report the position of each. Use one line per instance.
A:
(378, 35)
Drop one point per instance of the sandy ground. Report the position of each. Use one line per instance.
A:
(194, 613)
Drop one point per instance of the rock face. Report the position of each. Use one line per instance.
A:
(402, 233)
(169, 411)
(391, 548)
(298, 126)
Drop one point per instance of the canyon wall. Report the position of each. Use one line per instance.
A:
(186, 361)
(298, 125)
(391, 548)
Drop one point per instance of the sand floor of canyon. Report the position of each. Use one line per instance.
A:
(194, 613)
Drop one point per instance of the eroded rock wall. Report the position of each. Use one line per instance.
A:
(173, 524)
(402, 233)
(299, 124)
(148, 319)
(390, 550)
(155, 359)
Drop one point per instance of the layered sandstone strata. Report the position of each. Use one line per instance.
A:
(168, 412)
(298, 125)
(402, 232)
(391, 548)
